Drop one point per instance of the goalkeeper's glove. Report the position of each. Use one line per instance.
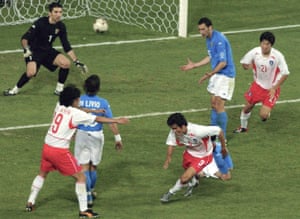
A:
(82, 67)
(27, 52)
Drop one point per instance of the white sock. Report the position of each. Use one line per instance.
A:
(80, 190)
(59, 87)
(15, 90)
(177, 187)
(244, 119)
(36, 186)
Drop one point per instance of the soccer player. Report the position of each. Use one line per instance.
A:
(222, 74)
(270, 70)
(89, 140)
(198, 150)
(38, 50)
(56, 154)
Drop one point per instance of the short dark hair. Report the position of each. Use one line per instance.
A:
(68, 95)
(206, 21)
(92, 85)
(267, 36)
(54, 5)
(176, 119)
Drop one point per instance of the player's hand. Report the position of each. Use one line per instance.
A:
(224, 152)
(122, 120)
(27, 52)
(118, 145)
(188, 66)
(82, 67)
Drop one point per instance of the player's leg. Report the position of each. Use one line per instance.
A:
(218, 105)
(36, 186)
(96, 145)
(64, 66)
(31, 70)
(268, 104)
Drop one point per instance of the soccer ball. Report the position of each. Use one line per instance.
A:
(100, 25)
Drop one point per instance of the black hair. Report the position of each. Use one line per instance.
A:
(206, 21)
(68, 95)
(176, 119)
(267, 36)
(92, 85)
(54, 5)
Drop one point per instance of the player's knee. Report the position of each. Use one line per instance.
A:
(31, 74)
(264, 116)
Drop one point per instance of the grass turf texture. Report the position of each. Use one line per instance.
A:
(144, 78)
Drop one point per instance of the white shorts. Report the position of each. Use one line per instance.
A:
(89, 147)
(221, 86)
(211, 169)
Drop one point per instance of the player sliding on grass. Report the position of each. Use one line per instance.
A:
(56, 154)
(269, 71)
(38, 50)
(198, 153)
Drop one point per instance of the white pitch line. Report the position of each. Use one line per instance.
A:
(148, 115)
(159, 38)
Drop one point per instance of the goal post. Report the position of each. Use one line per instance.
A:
(167, 16)
(183, 18)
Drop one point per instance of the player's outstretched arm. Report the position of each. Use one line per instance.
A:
(121, 120)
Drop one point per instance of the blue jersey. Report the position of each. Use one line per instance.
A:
(219, 50)
(95, 103)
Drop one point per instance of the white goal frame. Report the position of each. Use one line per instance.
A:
(169, 16)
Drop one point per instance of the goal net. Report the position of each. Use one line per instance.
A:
(156, 15)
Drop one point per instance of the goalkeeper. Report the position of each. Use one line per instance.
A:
(38, 50)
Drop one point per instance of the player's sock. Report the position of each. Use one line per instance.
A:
(88, 187)
(228, 161)
(62, 75)
(244, 119)
(23, 80)
(93, 176)
(213, 117)
(222, 121)
(80, 190)
(59, 87)
(36, 186)
(177, 187)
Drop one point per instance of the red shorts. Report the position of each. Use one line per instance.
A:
(257, 94)
(197, 163)
(59, 159)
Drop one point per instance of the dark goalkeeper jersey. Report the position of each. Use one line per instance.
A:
(42, 34)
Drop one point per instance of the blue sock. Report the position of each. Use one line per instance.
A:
(222, 165)
(228, 161)
(213, 117)
(222, 121)
(93, 176)
(88, 186)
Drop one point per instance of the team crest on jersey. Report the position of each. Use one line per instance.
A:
(271, 62)
(56, 31)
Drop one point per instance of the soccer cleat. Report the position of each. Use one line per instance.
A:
(240, 130)
(166, 197)
(88, 214)
(9, 92)
(29, 207)
(188, 191)
(191, 185)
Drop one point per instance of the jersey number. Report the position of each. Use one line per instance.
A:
(56, 122)
(263, 68)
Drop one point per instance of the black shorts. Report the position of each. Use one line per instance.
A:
(45, 58)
